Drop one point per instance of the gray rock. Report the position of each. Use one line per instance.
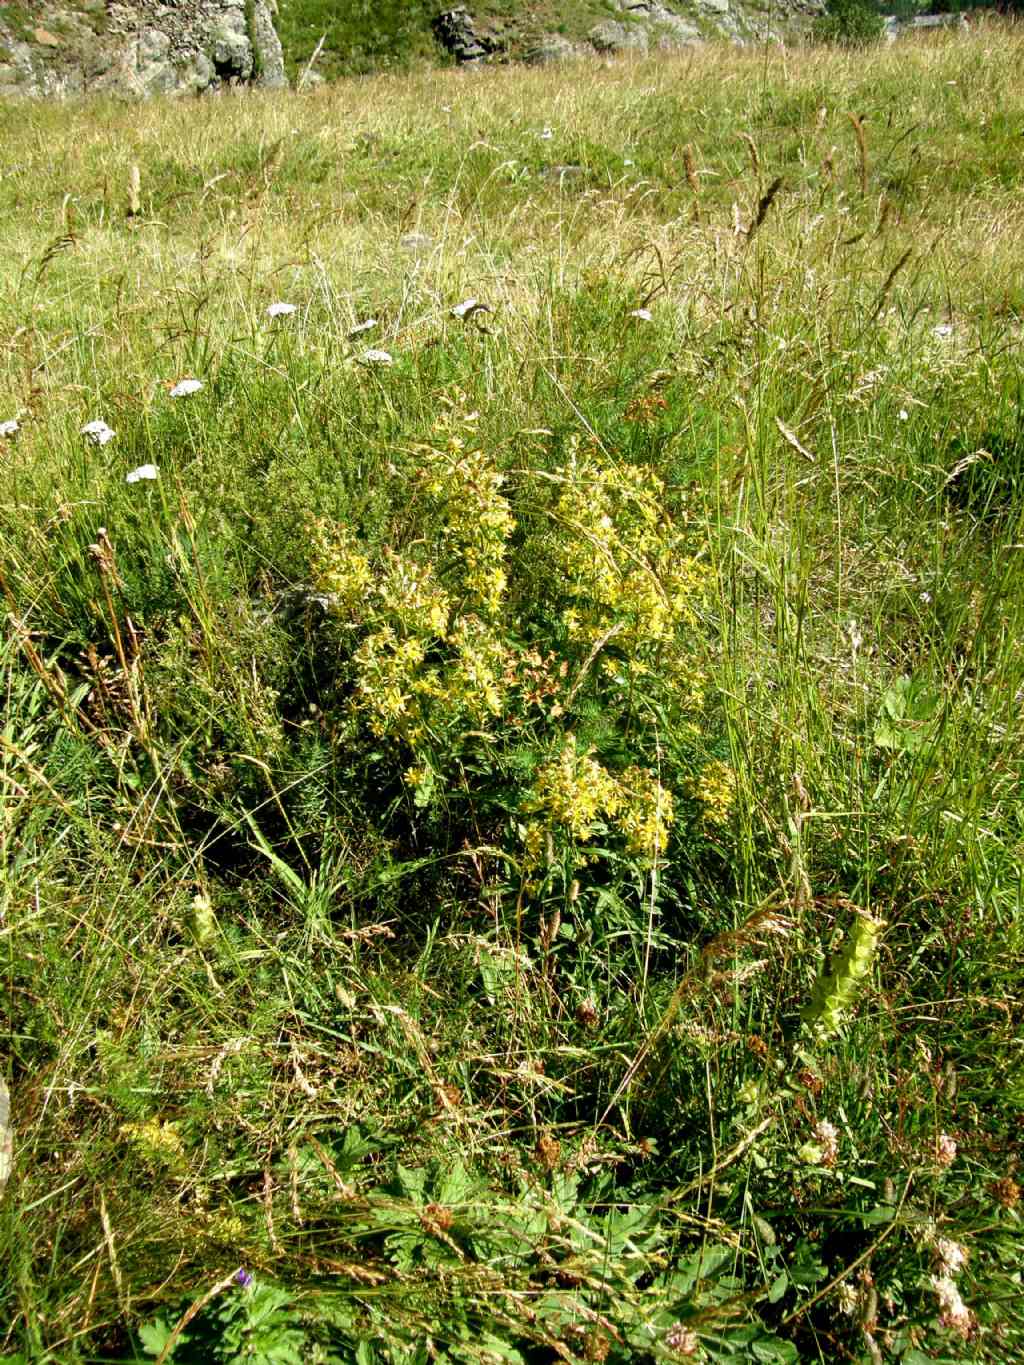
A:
(613, 37)
(668, 29)
(229, 47)
(553, 48)
(148, 48)
(199, 74)
(893, 27)
(675, 33)
(467, 40)
(154, 72)
(270, 58)
(23, 79)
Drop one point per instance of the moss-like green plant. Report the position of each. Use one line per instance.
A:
(835, 991)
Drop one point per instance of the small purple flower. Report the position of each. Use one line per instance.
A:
(243, 1278)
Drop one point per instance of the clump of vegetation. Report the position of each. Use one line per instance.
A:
(850, 22)
(511, 753)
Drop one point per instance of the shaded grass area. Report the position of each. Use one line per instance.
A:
(516, 849)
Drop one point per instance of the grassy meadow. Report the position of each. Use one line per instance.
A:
(511, 818)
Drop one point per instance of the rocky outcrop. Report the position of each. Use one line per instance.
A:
(135, 48)
(640, 27)
(895, 27)
(646, 24)
(467, 41)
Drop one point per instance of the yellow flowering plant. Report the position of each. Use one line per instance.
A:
(526, 632)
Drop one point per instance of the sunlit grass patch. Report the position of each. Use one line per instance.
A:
(511, 749)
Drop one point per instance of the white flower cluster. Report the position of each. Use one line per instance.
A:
(951, 1256)
(945, 1150)
(950, 1259)
(682, 1341)
(144, 471)
(185, 388)
(954, 1314)
(98, 432)
(826, 1135)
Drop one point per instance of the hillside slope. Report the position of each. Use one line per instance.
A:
(137, 48)
(394, 34)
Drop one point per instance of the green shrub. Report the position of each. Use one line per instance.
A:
(850, 23)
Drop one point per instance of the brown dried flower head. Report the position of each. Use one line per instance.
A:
(1005, 1191)
(436, 1218)
(549, 1150)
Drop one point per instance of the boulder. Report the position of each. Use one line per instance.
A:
(552, 47)
(464, 38)
(670, 29)
(610, 36)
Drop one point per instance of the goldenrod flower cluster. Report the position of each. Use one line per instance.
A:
(160, 1143)
(422, 668)
(715, 789)
(575, 791)
(345, 572)
(475, 517)
(479, 666)
(438, 662)
(575, 794)
(647, 813)
(626, 568)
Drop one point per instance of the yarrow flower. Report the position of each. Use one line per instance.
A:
(9, 428)
(144, 471)
(98, 432)
(280, 310)
(361, 327)
(184, 388)
(642, 314)
(375, 357)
